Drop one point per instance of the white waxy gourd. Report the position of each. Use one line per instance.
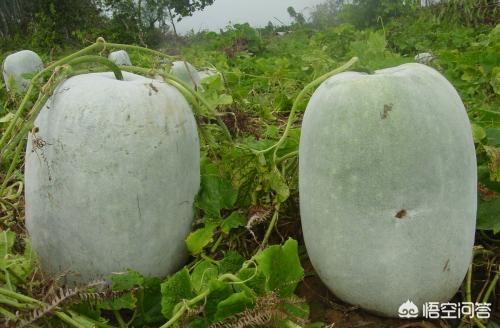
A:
(207, 73)
(111, 175)
(120, 58)
(187, 73)
(387, 179)
(17, 65)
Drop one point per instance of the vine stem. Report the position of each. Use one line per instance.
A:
(19, 297)
(11, 169)
(201, 99)
(100, 44)
(491, 287)
(49, 87)
(308, 88)
(98, 59)
(217, 243)
(138, 48)
(34, 81)
(32, 301)
(17, 304)
(479, 323)
(6, 313)
(66, 318)
(198, 298)
(468, 293)
(287, 156)
(184, 308)
(273, 222)
(119, 318)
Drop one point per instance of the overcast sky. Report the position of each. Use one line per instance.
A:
(255, 12)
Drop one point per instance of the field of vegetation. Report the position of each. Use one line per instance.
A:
(248, 266)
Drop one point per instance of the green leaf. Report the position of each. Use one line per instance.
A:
(231, 263)
(216, 192)
(278, 184)
(199, 323)
(200, 238)
(281, 267)
(149, 304)
(7, 239)
(493, 135)
(495, 80)
(235, 303)
(254, 279)
(121, 282)
(218, 291)
(174, 290)
(20, 265)
(235, 220)
(7, 118)
(298, 310)
(487, 215)
(478, 133)
(126, 280)
(494, 163)
(127, 301)
(202, 274)
(315, 325)
(225, 99)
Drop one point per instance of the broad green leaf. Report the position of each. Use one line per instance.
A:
(121, 282)
(235, 220)
(213, 82)
(281, 267)
(278, 184)
(488, 217)
(494, 163)
(175, 289)
(86, 321)
(254, 278)
(203, 273)
(219, 291)
(199, 323)
(126, 280)
(21, 265)
(225, 100)
(216, 193)
(493, 135)
(297, 310)
(127, 301)
(231, 262)
(150, 304)
(483, 176)
(478, 133)
(200, 238)
(235, 303)
(495, 80)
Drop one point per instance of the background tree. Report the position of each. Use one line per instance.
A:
(326, 13)
(298, 17)
(51, 23)
(151, 14)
